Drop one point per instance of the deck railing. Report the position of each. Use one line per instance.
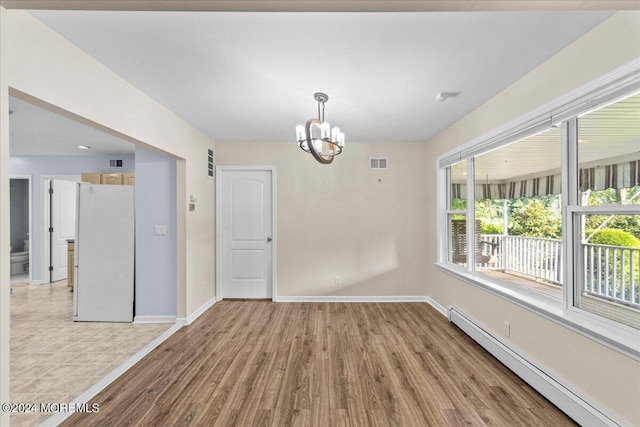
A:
(609, 272)
(613, 273)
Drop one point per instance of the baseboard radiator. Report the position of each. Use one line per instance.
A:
(571, 404)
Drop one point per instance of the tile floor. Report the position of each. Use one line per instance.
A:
(53, 359)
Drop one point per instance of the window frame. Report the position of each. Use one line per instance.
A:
(562, 112)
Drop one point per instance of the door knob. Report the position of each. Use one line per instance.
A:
(268, 239)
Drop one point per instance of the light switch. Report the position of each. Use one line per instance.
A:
(160, 230)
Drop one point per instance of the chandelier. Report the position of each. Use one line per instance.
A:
(318, 138)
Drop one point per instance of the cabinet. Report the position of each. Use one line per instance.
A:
(109, 178)
(128, 179)
(91, 178)
(70, 262)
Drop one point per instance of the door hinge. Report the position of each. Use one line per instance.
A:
(50, 229)
(51, 191)
(51, 268)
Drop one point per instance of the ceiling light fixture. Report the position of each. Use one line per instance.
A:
(442, 96)
(325, 143)
(84, 147)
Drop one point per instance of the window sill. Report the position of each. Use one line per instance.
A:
(620, 338)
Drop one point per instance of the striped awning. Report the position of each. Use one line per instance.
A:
(619, 175)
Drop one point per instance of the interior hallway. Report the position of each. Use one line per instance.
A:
(53, 359)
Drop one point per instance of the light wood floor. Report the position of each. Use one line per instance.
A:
(261, 363)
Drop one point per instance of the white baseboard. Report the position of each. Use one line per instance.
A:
(36, 282)
(111, 377)
(435, 304)
(575, 406)
(338, 298)
(154, 319)
(193, 316)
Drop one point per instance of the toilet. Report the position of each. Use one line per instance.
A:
(20, 260)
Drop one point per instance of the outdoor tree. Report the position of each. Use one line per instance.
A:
(534, 219)
(629, 223)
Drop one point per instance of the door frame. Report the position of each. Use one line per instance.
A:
(220, 170)
(28, 178)
(44, 232)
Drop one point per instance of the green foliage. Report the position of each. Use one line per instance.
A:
(626, 196)
(489, 228)
(613, 237)
(628, 223)
(534, 219)
(458, 204)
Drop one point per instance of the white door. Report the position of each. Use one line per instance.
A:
(62, 225)
(245, 233)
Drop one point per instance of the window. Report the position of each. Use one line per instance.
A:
(607, 212)
(518, 213)
(554, 203)
(457, 214)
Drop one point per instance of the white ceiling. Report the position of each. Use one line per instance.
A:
(249, 76)
(35, 131)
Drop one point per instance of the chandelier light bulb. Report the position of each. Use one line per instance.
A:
(325, 129)
(334, 134)
(300, 133)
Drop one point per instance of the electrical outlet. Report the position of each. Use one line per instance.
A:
(338, 280)
(507, 329)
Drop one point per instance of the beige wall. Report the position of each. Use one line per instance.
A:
(4, 219)
(40, 66)
(345, 220)
(604, 376)
(44, 67)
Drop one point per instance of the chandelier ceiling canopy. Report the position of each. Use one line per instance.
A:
(317, 137)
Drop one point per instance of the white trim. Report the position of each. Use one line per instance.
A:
(274, 223)
(112, 376)
(35, 282)
(621, 338)
(435, 304)
(154, 319)
(353, 299)
(193, 316)
(563, 396)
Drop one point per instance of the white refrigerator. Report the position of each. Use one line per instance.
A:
(104, 253)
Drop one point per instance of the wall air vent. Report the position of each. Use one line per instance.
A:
(210, 163)
(378, 162)
(116, 163)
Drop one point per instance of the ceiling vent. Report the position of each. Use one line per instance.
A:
(116, 163)
(378, 162)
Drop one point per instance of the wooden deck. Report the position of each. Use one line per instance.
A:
(249, 363)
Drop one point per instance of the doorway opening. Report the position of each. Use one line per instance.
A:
(20, 229)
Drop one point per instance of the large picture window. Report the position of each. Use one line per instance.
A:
(552, 209)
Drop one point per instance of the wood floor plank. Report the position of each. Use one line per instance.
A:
(260, 363)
